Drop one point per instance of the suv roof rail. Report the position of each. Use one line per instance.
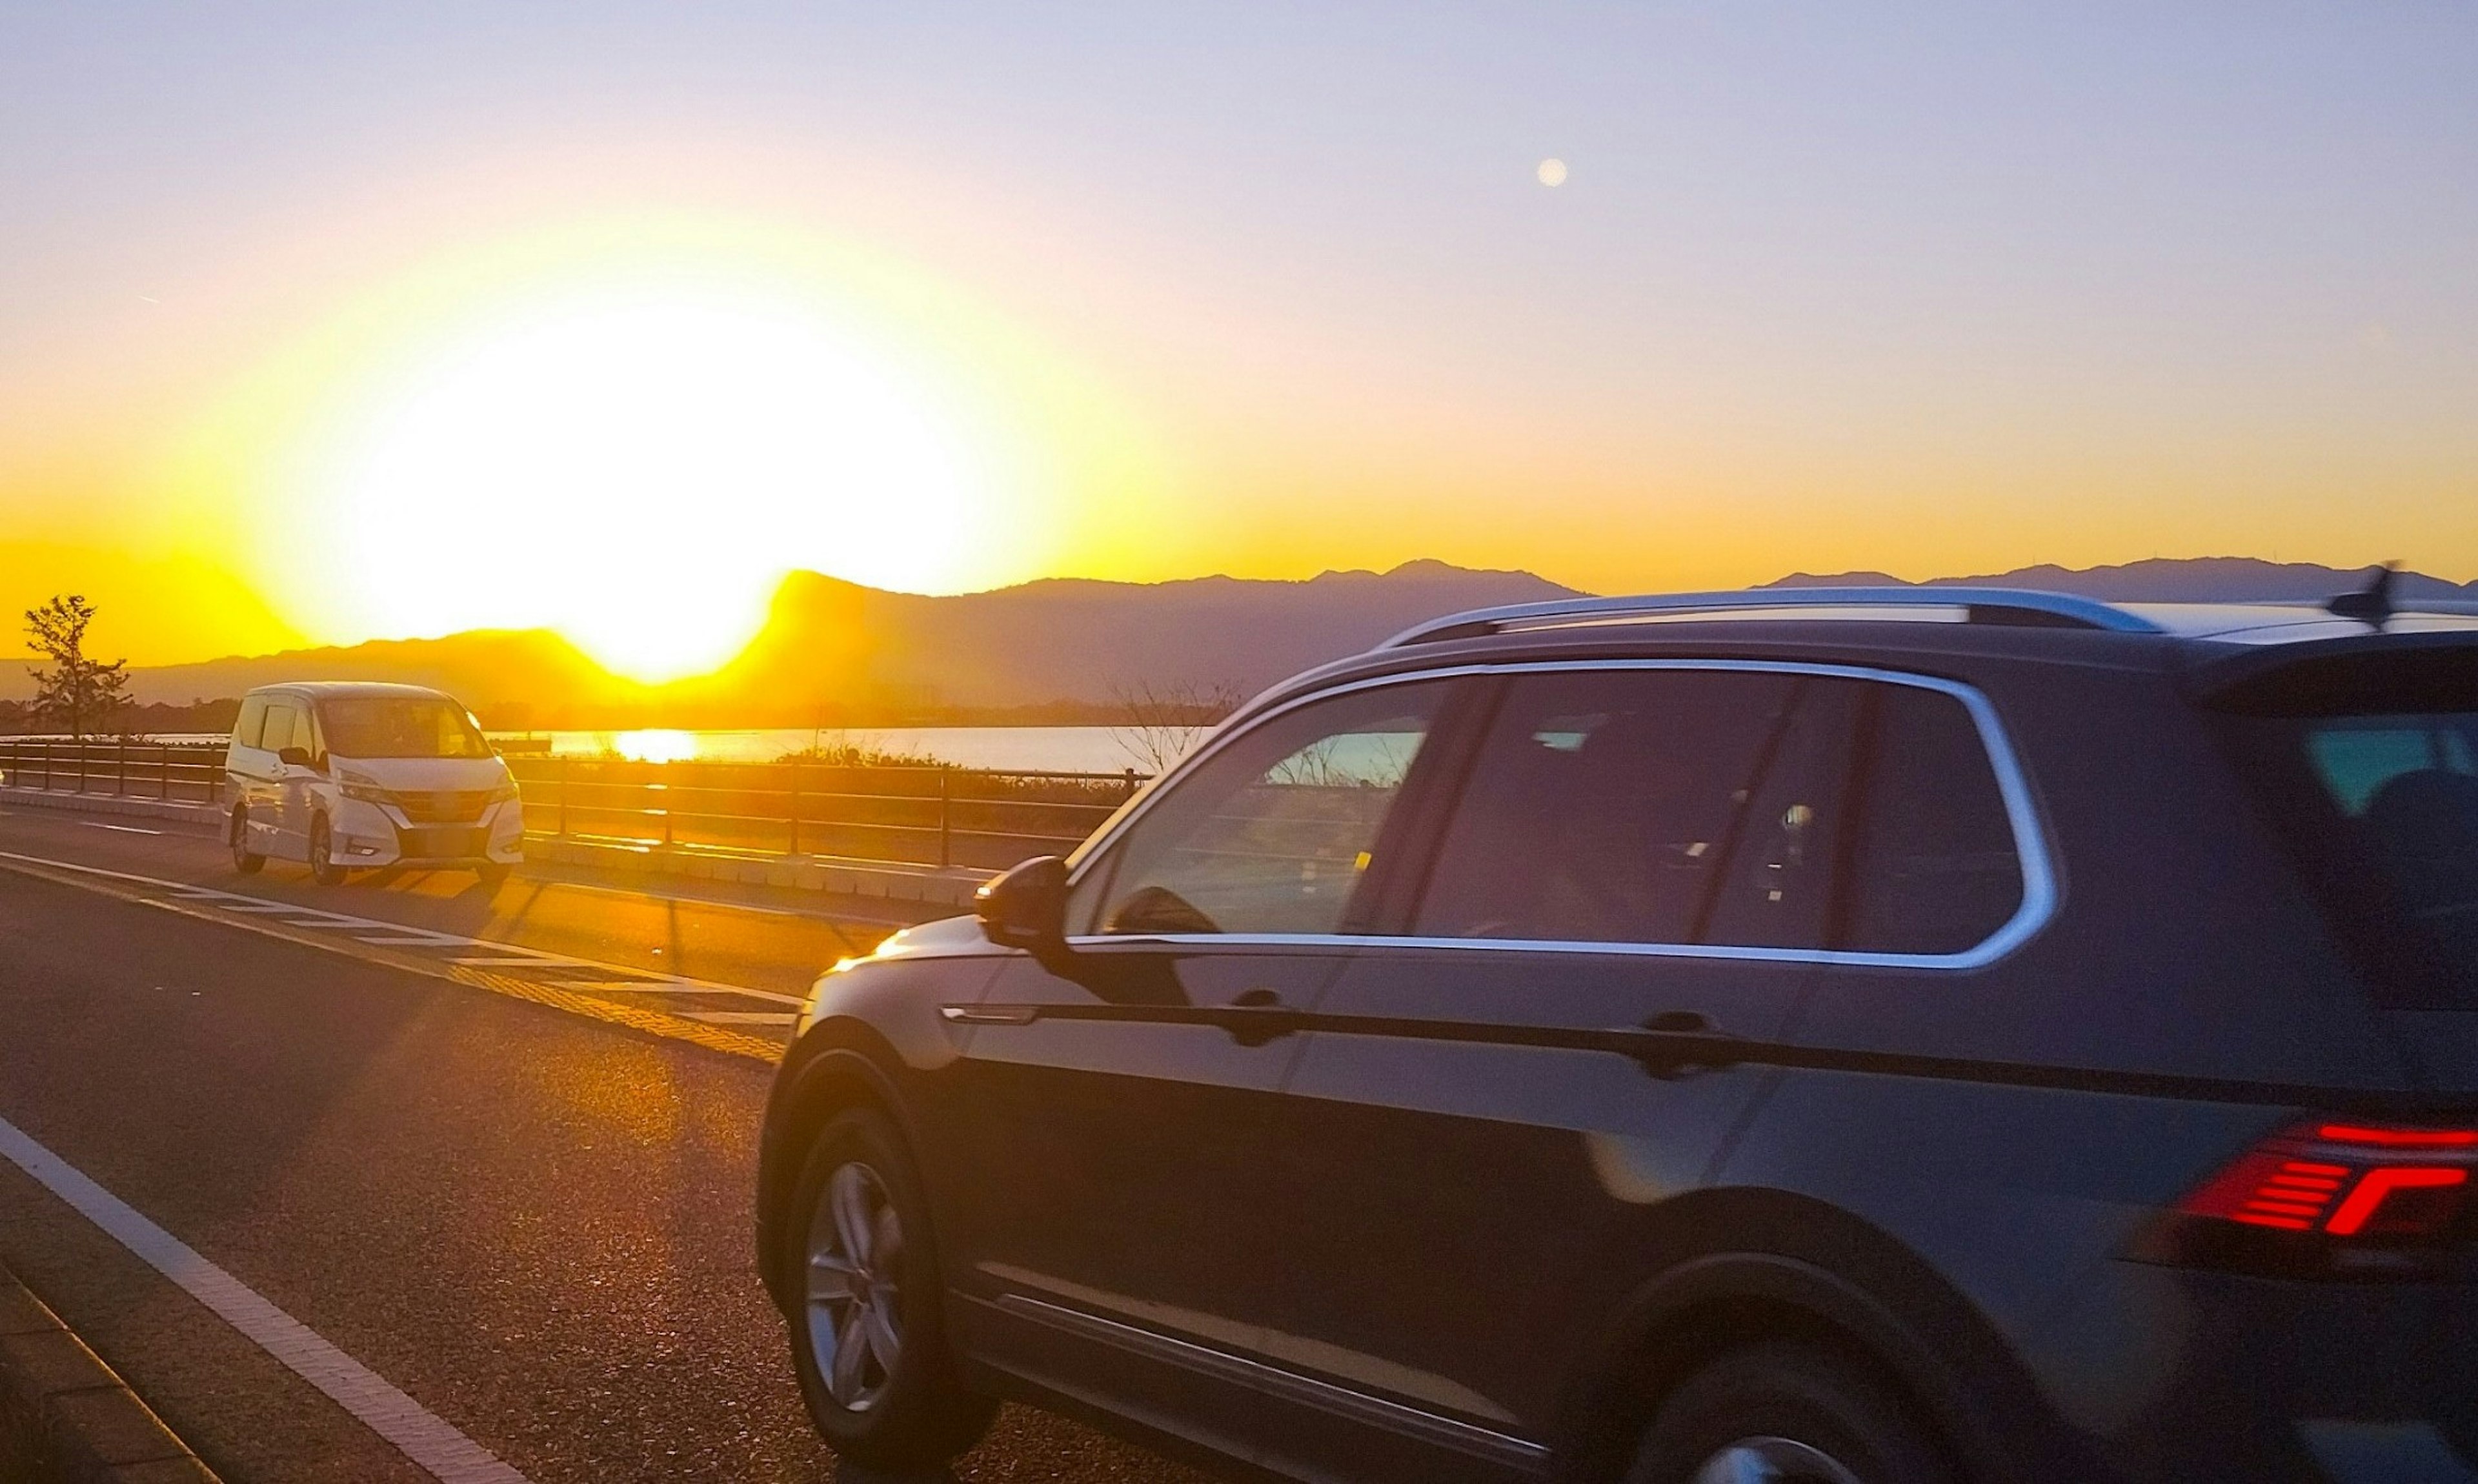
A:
(1982, 605)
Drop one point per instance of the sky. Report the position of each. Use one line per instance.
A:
(324, 324)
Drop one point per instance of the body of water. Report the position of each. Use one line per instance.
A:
(1064, 749)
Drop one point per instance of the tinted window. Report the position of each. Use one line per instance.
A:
(1937, 869)
(253, 715)
(401, 726)
(1273, 832)
(2383, 812)
(1647, 806)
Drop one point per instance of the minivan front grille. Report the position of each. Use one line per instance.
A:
(442, 807)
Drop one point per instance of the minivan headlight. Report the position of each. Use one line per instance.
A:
(366, 792)
(506, 790)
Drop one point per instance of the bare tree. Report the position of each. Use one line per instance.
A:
(75, 692)
(1159, 724)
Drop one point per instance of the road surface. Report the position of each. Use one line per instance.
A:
(490, 1150)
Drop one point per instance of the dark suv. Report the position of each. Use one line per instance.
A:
(1886, 1036)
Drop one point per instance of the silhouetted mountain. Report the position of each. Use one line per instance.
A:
(840, 652)
(493, 670)
(2171, 580)
(1059, 638)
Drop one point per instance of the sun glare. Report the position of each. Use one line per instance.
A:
(636, 466)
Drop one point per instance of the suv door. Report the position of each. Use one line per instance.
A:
(1114, 1154)
(1639, 867)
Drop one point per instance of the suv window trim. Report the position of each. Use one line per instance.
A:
(2039, 879)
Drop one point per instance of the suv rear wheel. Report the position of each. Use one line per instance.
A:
(1785, 1413)
(867, 1342)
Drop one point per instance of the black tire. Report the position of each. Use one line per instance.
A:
(493, 876)
(244, 860)
(1812, 1414)
(917, 1417)
(323, 868)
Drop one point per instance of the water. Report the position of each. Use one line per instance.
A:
(1064, 749)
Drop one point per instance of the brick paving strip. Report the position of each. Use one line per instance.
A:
(65, 1418)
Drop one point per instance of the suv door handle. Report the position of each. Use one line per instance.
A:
(1256, 1016)
(1683, 1042)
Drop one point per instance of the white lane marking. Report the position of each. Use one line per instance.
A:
(740, 1017)
(407, 941)
(544, 958)
(125, 829)
(446, 1453)
(528, 960)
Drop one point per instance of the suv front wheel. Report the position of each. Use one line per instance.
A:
(866, 1340)
(1785, 1413)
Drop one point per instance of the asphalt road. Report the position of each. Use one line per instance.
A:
(527, 1211)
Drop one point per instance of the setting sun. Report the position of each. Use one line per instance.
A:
(634, 464)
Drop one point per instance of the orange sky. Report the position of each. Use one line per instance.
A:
(381, 333)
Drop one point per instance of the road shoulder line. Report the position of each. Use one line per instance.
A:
(416, 1431)
(67, 1417)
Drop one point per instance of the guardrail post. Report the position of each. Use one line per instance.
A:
(47, 765)
(164, 774)
(562, 780)
(1131, 785)
(945, 817)
(120, 778)
(666, 787)
(794, 809)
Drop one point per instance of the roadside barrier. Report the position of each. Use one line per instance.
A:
(905, 814)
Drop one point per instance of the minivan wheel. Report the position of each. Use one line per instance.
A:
(866, 1340)
(1785, 1413)
(323, 868)
(244, 860)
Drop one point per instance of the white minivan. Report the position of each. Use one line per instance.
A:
(351, 775)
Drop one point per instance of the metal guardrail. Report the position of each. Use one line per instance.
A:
(171, 771)
(904, 814)
(914, 814)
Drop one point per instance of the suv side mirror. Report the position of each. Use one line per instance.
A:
(1027, 907)
(294, 757)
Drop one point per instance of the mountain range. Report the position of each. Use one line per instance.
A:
(835, 653)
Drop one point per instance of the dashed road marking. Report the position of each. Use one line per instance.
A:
(419, 1434)
(555, 979)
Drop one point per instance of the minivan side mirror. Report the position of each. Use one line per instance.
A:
(294, 757)
(1026, 906)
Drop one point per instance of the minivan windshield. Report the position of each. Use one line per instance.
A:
(399, 726)
(2382, 807)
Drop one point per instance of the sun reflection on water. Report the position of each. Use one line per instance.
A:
(658, 744)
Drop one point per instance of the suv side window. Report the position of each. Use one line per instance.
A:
(1938, 868)
(1658, 806)
(1271, 834)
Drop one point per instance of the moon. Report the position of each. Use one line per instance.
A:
(1553, 171)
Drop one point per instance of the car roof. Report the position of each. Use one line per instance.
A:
(1901, 627)
(316, 688)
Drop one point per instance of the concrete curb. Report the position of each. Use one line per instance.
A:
(65, 1418)
(205, 818)
(841, 875)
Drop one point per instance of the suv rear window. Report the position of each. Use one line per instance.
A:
(1728, 807)
(2381, 811)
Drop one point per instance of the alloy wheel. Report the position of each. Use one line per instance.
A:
(1774, 1461)
(854, 1274)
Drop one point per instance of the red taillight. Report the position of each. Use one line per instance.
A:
(2330, 1197)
